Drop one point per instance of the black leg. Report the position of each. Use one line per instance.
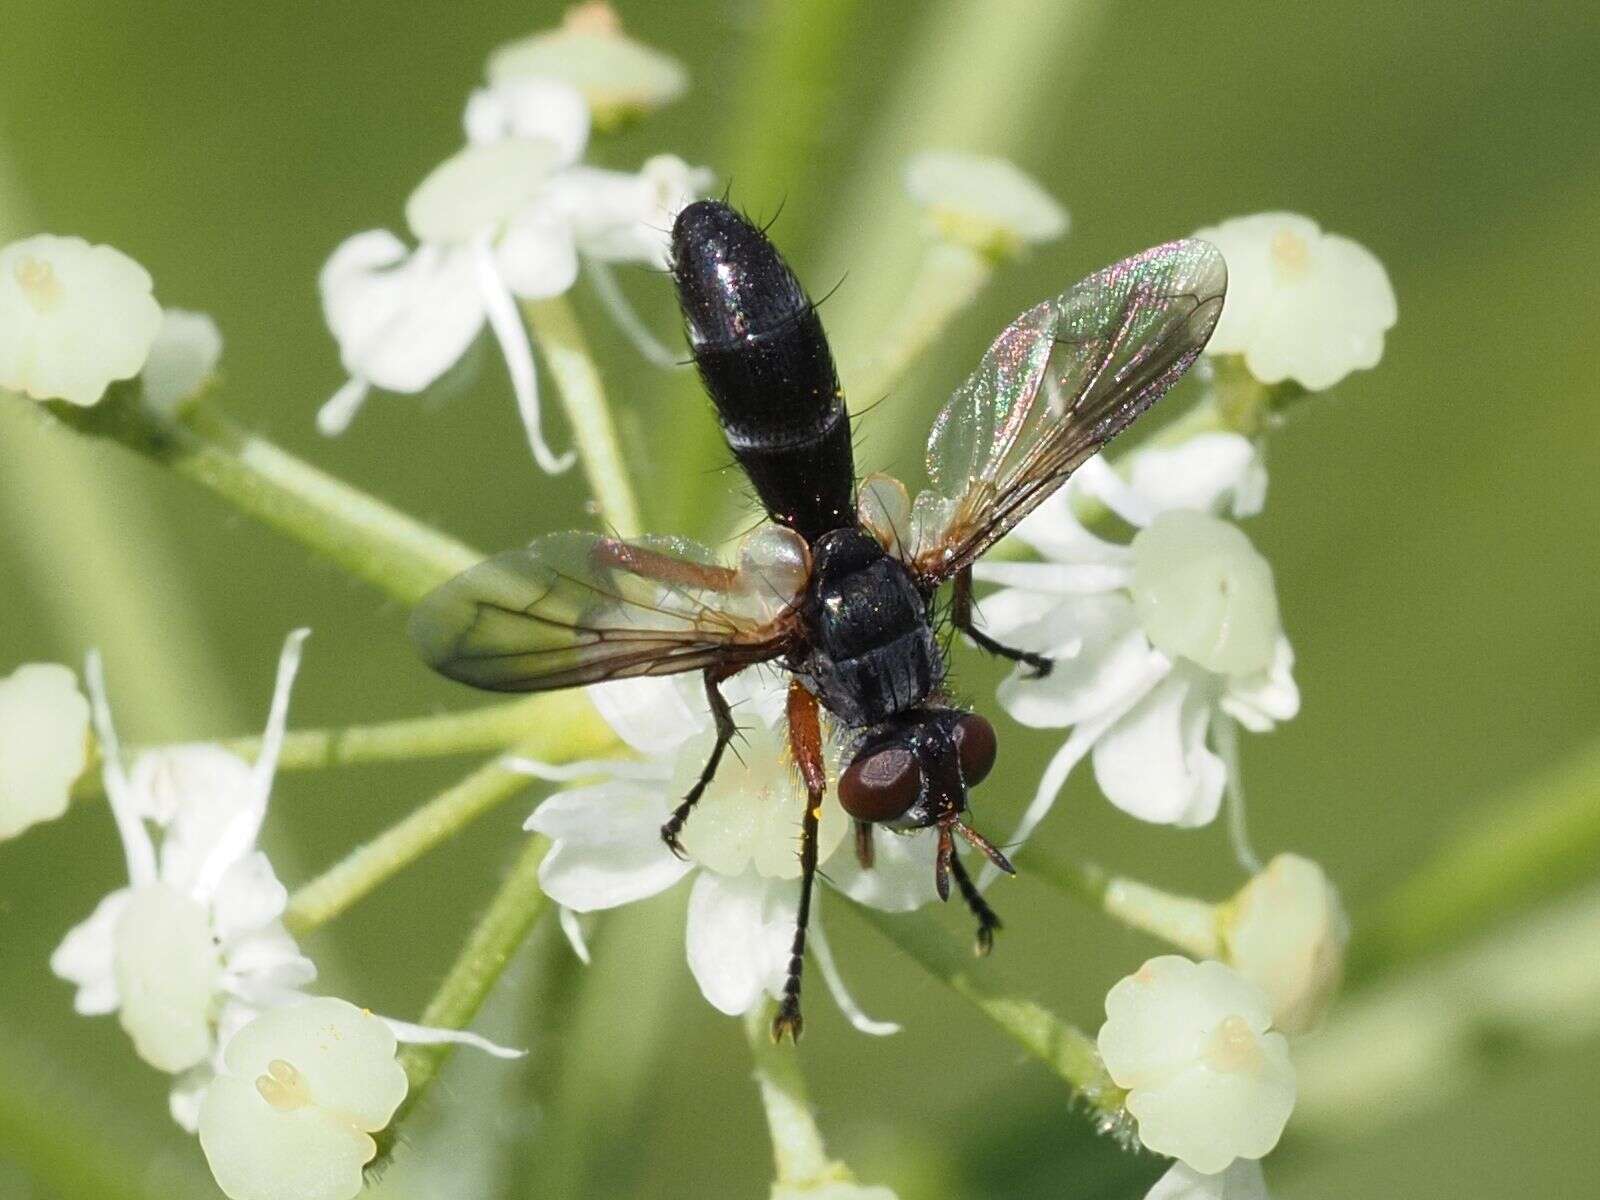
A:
(961, 618)
(723, 716)
(988, 922)
(805, 739)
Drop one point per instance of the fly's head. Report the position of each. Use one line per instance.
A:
(913, 772)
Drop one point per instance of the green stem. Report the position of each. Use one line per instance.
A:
(1189, 924)
(561, 341)
(488, 950)
(368, 538)
(491, 727)
(1538, 841)
(1068, 1051)
(573, 731)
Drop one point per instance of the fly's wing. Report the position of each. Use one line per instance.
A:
(1062, 380)
(578, 608)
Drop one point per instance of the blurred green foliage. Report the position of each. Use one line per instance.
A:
(1433, 525)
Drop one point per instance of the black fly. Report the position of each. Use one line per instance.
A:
(840, 589)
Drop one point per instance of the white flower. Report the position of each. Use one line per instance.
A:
(741, 842)
(1302, 304)
(44, 744)
(619, 77)
(300, 1092)
(508, 216)
(1207, 1081)
(1153, 641)
(1286, 932)
(194, 948)
(986, 203)
(73, 318)
(182, 360)
(1242, 1181)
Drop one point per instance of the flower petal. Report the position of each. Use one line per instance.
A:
(1114, 659)
(1154, 763)
(901, 877)
(738, 938)
(608, 849)
(817, 943)
(1260, 701)
(257, 1152)
(86, 956)
(1242, 1181)
(44, 744)
(653, 714)
(1211, 472)
(137, 847)
(401, 322)
(531, 108)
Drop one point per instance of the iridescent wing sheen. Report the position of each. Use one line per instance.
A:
(1060, 382)
(578, 608)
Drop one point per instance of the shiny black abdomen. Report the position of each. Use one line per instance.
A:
(871, 651)
(765, 361)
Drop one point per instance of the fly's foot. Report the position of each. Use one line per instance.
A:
(788, 1021)
(1039, 665)
(669, 835)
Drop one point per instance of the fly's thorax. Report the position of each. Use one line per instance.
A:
(872, 650)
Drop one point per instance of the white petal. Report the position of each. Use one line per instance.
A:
(1154, 763)
(654, 715)
(400, 322)
(739, 934)
(86, 956)
(817, 943)
(1259, 702)
(182, 359)
(137, 847)
(44, 744)
(1212, 472)
(1097, 478)
(427, 1035)
(531, 108)
(988, 203)
(619, 217)
(1114, 659)
(901, 876)
(336, 413)
(572, 929)
(248, 897)
(167, 779)
(537, 256)
(188, 1092)
(608, 848)
(477, 191)
(265, 968)
(1056, 533)
(167, 973)
(509, 331)
(1242, 1181)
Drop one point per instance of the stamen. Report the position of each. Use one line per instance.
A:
(283, 1087)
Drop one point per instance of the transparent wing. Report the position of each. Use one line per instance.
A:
(577, 608)
(1062, 380)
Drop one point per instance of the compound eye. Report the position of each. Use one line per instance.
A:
(881, 785)
(976, 746)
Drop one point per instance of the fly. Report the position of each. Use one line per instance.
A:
(839, 589)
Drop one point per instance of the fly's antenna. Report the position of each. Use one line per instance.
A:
(982, 844)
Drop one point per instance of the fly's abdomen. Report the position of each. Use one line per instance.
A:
(762, 353)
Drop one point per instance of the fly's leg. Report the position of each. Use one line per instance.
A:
(722, 715)
(864, 854)
(805, 740)
(988, 921)
(961, 618)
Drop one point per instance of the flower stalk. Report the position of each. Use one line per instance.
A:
(1069, 1052)
(581, 735)
(371, 540)
(1182, 921)
(560, 339)
(512, 912)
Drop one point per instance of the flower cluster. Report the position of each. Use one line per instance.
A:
(506, 218)
(740, 846)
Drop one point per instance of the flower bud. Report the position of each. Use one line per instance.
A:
(1207, 1081)
(1286, 932)
(44, 728)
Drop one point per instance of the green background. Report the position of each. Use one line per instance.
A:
(1432, 525)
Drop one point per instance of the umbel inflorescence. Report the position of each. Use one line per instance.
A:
(1137, 579)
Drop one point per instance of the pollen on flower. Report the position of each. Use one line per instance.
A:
(39, 283)
(1290, 254)
(1233, 1047)
(283, 1087)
